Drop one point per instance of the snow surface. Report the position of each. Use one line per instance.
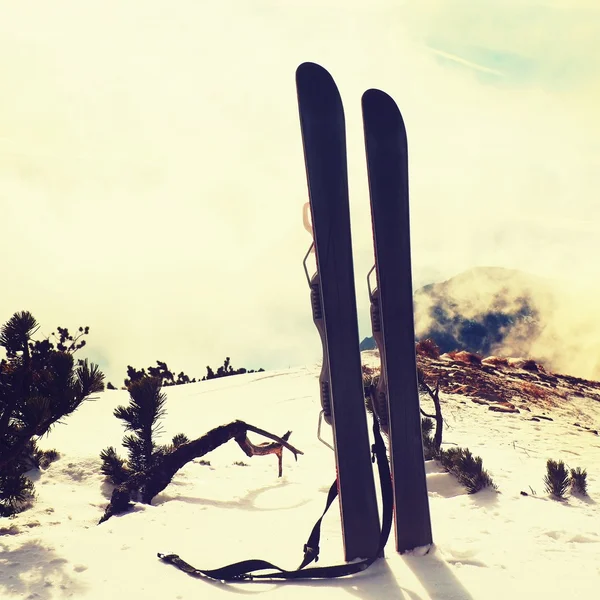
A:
(487, 545)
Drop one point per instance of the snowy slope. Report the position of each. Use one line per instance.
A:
(487, 545)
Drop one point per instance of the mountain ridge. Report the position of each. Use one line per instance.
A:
(485, 310)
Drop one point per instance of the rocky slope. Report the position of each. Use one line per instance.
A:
(506, 385)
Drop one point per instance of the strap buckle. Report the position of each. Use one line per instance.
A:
(312, 553)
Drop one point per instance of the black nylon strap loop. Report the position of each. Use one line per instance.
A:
(246, 569)
(311, 548)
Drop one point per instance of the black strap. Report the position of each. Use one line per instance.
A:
(311, 548)
(246, 569)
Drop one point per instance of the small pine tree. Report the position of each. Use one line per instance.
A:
(579, 481)
(556, 479)
(141, 417)
(146, 407)
(39, 385)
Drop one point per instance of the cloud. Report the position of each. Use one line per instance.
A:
(561, 332)
(151, 171)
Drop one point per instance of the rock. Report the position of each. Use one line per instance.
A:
(524, 363)
(463, 389)
(479, 401)
(491, 396)
(495, 361)
(467, 357)
(503, 408)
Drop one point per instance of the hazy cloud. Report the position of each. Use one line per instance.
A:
(151, 171)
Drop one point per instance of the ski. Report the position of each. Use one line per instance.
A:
(333, 300)
(397, 397)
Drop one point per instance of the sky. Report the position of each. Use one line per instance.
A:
(487, 545)
(152, 178)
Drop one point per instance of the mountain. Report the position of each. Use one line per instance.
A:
(486, 310)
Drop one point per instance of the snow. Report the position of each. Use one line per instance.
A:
(487, 545)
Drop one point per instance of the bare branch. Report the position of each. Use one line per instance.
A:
(279, 440)
(439, 421)
(147, 484)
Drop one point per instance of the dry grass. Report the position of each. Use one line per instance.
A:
(495, 361)
(534, 391)
(527, 364)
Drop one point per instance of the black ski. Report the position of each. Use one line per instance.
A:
(397, 401)
(334, 305)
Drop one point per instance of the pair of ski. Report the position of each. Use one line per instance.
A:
(333, 297)
(396, 399)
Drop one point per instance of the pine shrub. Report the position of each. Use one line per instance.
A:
(468, 469)
(113, 466)
(141, 417)
(226, 370)
(579, 481)
(47, 457)
(16, 492)
(450, 458)
(142, 421)
(472, 474)
(180, 439)
(426, 429)
(40, 384)
(556, 479)
(426, 426)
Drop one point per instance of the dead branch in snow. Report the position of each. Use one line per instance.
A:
(145, 485)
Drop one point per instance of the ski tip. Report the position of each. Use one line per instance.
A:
(310, 68)
(312, 73)
(378, 106)
(377, 100)
(317, 92)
